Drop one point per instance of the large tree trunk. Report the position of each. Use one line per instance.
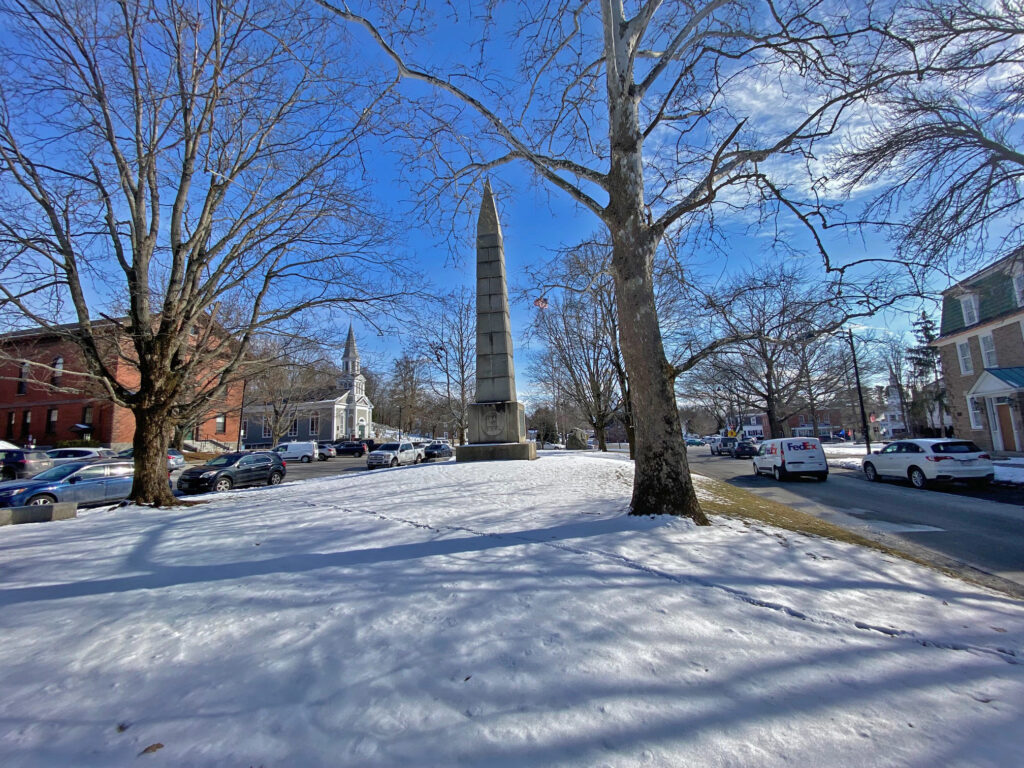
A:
(151, 484)
(661, 481)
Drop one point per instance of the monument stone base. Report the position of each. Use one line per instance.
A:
(502, 422)
(497, 452)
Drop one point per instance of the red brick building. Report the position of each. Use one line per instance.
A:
(45, 399)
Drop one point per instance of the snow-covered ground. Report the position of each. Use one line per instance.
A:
(490, 614)
(848, 456)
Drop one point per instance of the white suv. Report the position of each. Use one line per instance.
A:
(927, 460)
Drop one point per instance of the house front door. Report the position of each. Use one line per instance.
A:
(1006, 426)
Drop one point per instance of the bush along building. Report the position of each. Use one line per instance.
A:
(982, 347)
(347, 415)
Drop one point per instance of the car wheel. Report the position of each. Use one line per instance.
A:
(275, 478)
(306, 459)
(41, 499)
(870, 472)
(757, 472)
(223, 484)
(359, 455)
(778, 474)
(917, 478)
(823, 476)
(322, 457)
(394, 462)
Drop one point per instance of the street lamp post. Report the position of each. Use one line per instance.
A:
(860, 393)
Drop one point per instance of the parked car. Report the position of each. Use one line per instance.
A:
(22, 463)
(327, 451)
(298, 451)
(84, 482)
(438, 451)
(743, 449)
(349, 448)
(65, 455)
(234, 470)
(931, 460)
(721, 445)
(392, 455)
(175, 458)
(695, 441)
(791, 456)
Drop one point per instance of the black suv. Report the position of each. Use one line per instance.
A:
(350, 449)
(233, 470)
(743, 448)
(15, 464)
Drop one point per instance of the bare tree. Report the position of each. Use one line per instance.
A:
(189, 174)
(445, 337)
(575, 333)
(946, 145)
(642, 119)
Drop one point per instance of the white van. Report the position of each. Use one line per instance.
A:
(304, 452)
(791, 456)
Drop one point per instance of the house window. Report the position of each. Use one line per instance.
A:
(969, 307)
(51, 421)
(988, 351)
(293, 430)
(975, 406)
(266, 427)
(26, 423)
(22, 378)
(314, 425)
(221, 423)
(963, 350)
(1018, 288)
(10, 424)
(58, 371)
(87, 415)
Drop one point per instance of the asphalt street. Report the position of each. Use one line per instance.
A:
(977, 533)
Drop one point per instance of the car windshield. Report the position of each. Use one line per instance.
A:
(388, 447)
(224, 461)
(962, 446)
(59, 472)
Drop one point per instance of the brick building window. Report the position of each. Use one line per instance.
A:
(221, 423)
(293, 430)
(988, 351)
(314, 425)
(266, 427)
(87, 415)
(51, 421)
(22, 378)
(963, 351)
(10, 424)
(26, 423)
(975, 406)
(58, 371)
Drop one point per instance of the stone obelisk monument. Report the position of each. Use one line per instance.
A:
(497, 421)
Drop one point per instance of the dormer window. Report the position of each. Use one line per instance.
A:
(1018, 288)
(969, 307)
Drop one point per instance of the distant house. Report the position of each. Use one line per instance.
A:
(346, 416)
(982, 347)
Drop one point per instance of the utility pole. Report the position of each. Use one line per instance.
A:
(860, 394)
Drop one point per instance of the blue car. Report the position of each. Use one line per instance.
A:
(85, 482)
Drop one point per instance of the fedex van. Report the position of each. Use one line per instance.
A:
(790, 457)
